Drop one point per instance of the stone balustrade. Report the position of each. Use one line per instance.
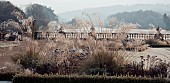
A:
(76, 35)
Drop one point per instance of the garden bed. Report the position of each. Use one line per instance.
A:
(85, 79)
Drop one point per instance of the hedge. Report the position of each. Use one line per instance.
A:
(6, 76)
(84, 79)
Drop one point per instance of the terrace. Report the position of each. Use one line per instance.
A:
(105, 33)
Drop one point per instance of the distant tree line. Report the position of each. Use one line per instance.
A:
(144, 18)
(42, 14)
(6, 8)
(166, 21)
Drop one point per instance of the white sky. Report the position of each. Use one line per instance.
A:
(68, 5)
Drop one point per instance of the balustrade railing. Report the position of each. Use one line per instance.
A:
(76, 35)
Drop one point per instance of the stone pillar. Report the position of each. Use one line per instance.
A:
(92, 32)
(61, 30)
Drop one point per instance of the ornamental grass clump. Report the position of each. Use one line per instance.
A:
(28, 56)
(34, 58)
(103, 62)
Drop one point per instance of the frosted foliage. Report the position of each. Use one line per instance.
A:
(52, 26)
(18, 14)
(11, 24)
(113, 22)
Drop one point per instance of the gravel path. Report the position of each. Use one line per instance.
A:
(163, 53)
(5, 82)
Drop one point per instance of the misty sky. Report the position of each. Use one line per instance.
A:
(68, 5)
